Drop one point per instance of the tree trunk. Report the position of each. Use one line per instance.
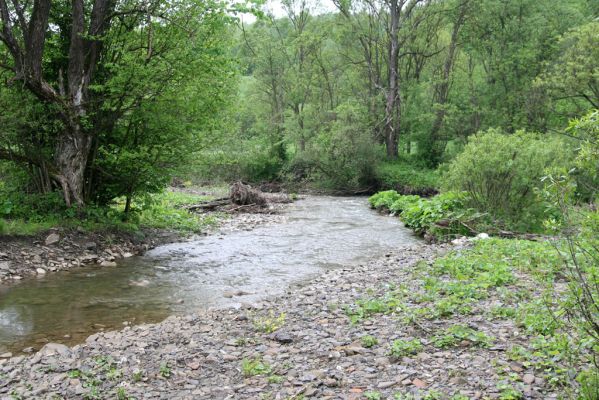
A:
(392, 105)
(71, 160)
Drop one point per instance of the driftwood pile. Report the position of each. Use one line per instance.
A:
(242, 198)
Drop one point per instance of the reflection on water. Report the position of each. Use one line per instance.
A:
(320, 232)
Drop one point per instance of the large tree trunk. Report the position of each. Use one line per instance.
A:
(71, 156)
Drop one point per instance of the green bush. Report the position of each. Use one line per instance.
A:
(439, 215)
(502, 173)
(407, 178)
(384, 199)
(403, 203)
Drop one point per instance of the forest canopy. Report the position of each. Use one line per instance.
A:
(104, 100)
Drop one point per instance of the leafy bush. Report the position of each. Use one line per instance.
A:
(407, 178)
(384, 199)
(501, 174)
(441, 215)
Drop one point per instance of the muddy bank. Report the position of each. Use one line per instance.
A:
(298, 344)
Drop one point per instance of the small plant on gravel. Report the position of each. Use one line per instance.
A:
(508, 392)
(137, 375)
(373, 396)
(165, 371)
(404, 396)
(366, 307)
(401, 348)
(432, 395)
(121, 394)
(254, 367)
(369, 341)
(270, 323)
(459, 397)
(274, 378)
(459, 333)
(503, 312)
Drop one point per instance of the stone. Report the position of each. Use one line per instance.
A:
(419, 383)
(107, 264)
(386, 384)
(40, 271)
(528, 379)
(90, 245)
(282, 337)
(6, 355)
(52, 238)
(51, 349)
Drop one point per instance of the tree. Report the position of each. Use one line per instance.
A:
(572, 78)
(76, 58)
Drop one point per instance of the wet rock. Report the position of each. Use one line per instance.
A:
(108, 264)
(40, 271)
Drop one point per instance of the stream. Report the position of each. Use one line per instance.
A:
(218, 270)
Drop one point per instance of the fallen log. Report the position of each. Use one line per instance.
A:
(211, 205)
(245, 195)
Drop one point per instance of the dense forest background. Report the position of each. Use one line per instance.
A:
(108, 100)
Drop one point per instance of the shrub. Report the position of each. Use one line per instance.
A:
(501, 173)
(439, 216)
(384, 199)
(407, 178)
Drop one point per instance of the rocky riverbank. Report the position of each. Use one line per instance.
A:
(301, 345)
(62, 249)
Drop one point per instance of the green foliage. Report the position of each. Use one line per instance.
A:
(423, 216)
(366, 307)
(384, 199)
(441, 216)
(502, 173)
(572, 76)
(406, 177)
(342, 155)
(254, 367)
(401, 348)
(165, 370)
(373, 395)
(460, 333)
(589, 384)
(269, 323)
(369, 341)
(508, 392)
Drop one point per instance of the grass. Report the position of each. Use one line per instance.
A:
(159, 211)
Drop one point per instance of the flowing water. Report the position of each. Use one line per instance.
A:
(318, 233)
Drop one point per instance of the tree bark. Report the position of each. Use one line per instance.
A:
(393, 101)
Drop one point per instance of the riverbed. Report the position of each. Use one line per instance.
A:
(223, 269)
